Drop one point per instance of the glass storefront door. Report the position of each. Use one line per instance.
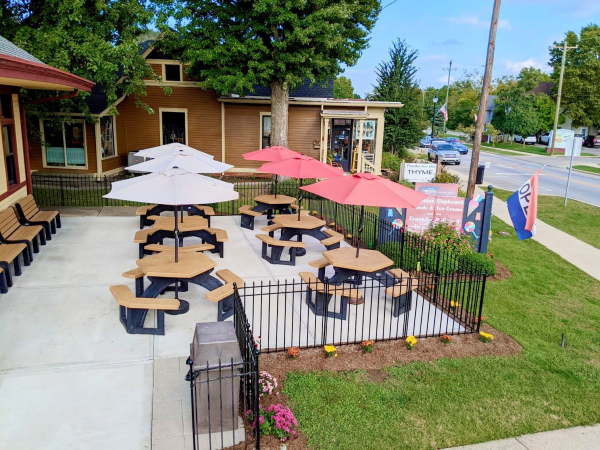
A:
(341, 142)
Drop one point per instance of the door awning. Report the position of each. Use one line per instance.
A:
(344, 113)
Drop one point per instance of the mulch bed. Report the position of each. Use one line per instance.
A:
(385, 354)
(502, 273)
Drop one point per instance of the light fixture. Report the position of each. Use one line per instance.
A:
(435, 99)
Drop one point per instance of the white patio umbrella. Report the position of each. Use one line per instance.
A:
(184, 159)
(173, 187)
(162, 150)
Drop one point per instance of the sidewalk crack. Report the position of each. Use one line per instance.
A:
(517, 439)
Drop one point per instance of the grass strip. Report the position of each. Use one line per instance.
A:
(588, 169)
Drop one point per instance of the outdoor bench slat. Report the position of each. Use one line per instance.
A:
(248, 216)
(223, 295)
(271, 229)
(12, 232)
(320, 264)
(30, 214)
(9, 253)
(324, 294)
(334, 239)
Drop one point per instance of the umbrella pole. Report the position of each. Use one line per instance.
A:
(299, 201)
(276, 186)
(176, 235)
(360, 228)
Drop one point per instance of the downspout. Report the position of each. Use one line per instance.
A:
(24, 133)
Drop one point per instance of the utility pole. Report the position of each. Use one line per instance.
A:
(485, 93)
(560, 82)
(450, 69)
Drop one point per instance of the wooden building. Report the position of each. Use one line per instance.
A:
(348, 131)
(19, 69)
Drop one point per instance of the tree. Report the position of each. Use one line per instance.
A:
(545, 109)
(529, 78)
(342, 88)
(492, 133)
(97, 40)
(515, 113)
(233, 46)
(396, 82)
(581, 90)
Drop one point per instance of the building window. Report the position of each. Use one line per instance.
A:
(65, 145)
(173, 127)
(265, 131)
(172, 72)
(8, 138)
(107, 136)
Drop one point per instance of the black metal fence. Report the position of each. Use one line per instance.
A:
(222, 394)
(312, 314)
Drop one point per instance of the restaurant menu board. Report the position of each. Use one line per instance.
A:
(438, 189)
(435, 209)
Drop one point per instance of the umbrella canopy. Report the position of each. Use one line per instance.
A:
(183, 159)
(275, 153)
(173, 187)
(301, 166)
(166, 149)
(365, 189)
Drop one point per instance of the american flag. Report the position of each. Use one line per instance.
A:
(444, 111)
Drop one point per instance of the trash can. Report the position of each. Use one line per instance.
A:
(217, 387)
(480, 172)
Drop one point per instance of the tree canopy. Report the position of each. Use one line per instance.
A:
(581, 90)
(233, 46)
(98, 40)
(396, 82)
(342, 88)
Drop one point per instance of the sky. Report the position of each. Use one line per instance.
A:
(458, 30)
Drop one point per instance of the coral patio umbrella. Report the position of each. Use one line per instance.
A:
(365, 189)
(301, 167)
(271, 154)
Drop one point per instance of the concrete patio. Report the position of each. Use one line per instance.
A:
(72, 378)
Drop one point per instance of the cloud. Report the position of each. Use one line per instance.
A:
(444, 79)
(514, 67)
(475, 21)
(448, 42)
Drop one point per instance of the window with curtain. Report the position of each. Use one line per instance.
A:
(266, 131)
(107, 136)
(65, 144)
(8, 138)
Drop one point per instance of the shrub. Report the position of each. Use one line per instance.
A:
(267, 383)
(367, 346)
(330, 351)
(389, 161)
(277, 420)
(411, 341)
(446, 177)
(473, 262)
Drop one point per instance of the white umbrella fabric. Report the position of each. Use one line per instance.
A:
(183, 159)
(162, 150)
(173, 187)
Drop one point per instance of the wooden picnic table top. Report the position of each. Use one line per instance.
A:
(190, 223)
(272, 200)
(305, 222)
(367, 261)
(163, 265)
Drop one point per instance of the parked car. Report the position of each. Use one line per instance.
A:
(454, 140)
(531, 139)
(425, 142)
(545, 138)
(444, 153)
(461, 148)
(437, 140)
(591, 142)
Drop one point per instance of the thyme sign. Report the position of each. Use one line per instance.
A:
(419, 172)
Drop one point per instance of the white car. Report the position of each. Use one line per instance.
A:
(545, 138)
(531, 139)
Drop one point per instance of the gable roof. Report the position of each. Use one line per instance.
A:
(305, 90)
(21, 69)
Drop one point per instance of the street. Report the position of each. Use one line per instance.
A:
(510, 172)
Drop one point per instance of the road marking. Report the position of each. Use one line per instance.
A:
(575, 181)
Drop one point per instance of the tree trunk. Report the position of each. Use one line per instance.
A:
(279, 113)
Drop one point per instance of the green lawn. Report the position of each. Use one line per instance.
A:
(578, 219)
(454, 402)
(588, 168)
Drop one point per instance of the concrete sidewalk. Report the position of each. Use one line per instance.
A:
(581, 255)
(577, 438)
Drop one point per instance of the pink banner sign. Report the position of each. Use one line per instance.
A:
(450, 210)
(419, 218)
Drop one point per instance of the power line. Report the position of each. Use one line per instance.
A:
(391, 3)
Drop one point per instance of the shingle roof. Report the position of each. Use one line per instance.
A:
(10, 49)
(305, 90)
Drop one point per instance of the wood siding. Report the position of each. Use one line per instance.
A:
(36, 156)
(242, 133)
(304, 128)
(142, 130)
(157, 69)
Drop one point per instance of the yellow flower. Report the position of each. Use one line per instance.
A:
(335, 355)
(454, 304)
(349, 236)
(315, 212)
(485, 337)
(329, 348)
(332, 224)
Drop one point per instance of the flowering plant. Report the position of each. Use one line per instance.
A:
(330, 351)
(482, 320)
(277, 420)
(454, 304)
(445, 235)
(332, 224)
(485, 337)
(367, 346)
(446, 339)
(267, 383)
(293, 352)
(411, 341)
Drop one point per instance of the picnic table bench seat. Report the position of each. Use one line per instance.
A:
(277, 247)
(271, 229)
(324, 293)
(248, 216)
(401, 295)
(12, 232)
(334, 239)
(133, 310)
(399, 273)
(202, 210)
(320, 264)
(223, 295)
(30, 214)
(136, 274)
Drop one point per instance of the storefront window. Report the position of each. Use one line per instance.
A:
(65, 145)
(369, 131)
(266, 131)
(107, 136)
